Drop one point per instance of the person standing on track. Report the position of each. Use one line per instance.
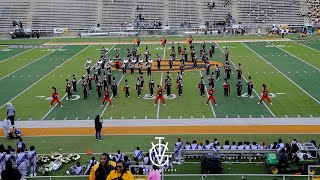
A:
(11, 113)
(55, 97)
(265, 94)
(98, 126)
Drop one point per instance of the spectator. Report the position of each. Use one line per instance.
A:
(154, 174)
(11, 112)
(6, 127)
(101, 170)
(17, 133)
(120, 172)
(76, 170)
(9, 173)
(98, 126)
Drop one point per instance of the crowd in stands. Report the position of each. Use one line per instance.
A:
(141, 23)
(314, 11)
(186, 24)
(211, 5)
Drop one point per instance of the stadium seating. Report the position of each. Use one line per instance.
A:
(13, 10)
(270, 12)
(314, 11)
(72, 14)
(183, 11)
(151, 10)
(219, 13)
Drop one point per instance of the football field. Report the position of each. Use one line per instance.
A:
(291, 70)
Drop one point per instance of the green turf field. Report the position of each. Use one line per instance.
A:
(127, 144)
(290, 69)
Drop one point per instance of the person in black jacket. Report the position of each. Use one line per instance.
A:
(10, 173)
(98, 126)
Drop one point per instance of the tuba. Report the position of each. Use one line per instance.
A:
(125, 61)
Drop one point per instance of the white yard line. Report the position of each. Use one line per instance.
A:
(309, 47)
(283, 74)
(253, 89)
(158, 111)
(298, 58)
(213, 112)
(15, 55)
(28, 64)
(41, 79)
(105, 108)
(77, 83)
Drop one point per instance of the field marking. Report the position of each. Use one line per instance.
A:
(158, 110)
(65, 118)
(168, 117)
(54, 118)
(40, 80)
(16, 55)
(77, 83)
(262, 116)
(77, 118)
(282, 74)
(27, 65)
(30, 119)
(309, 47)
(299, 116)
(246, 80)
(250, 116)
(298, 58)
(105, 108)
(286, 116)
(205, 87)
(88, 118)
(310, 115)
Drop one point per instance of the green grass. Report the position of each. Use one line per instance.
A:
(6, 53)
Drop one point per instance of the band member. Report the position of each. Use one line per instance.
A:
(22, 162)
(180, 87)
(32, 156)
(89, 81)
(140, 67)
(55, 97)
(151, 87)
(167, 76)
(168, 87)
(114, 88)
(159, 96)
(138, 87)
(148, 66)
(226, 54)
(105, 81)
(158, 61)
(85, 88)
(95, 76)
(99, 89)
(126, 89)
(181, 67)
(99, 66)
(146, 54)
(211, 96)
(208, 68)
(239, 71)
(109, 75)
(170, 62)
(264, 94)
(87, 66)
(201, 86)
(211, 52)
(226, 87)
(211, 80)
(178, 146)
(131, 66)
(106, 97)
(217, 71)
(124, 68)
(179, 49)
(228, 71)
(185, 53)
(195, 65)
(239, 88)
(250, 87)
(68, 90)
(179, 77)
(141, 81)
(117, 55)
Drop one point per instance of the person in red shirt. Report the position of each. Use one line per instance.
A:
(264, 94)
(210, 95)
(226, 87)
(106, 97)
(159, 96)
(55, 97)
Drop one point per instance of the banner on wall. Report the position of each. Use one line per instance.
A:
(60, 30)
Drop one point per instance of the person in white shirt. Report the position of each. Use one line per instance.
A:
(6, 127)
(32, 156)
(77, 169)
(119, 156)
(208, 145)
(138, 156)
(177, 150)
(226, 145)
(233, 146)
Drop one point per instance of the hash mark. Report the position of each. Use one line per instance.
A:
(168, 117)
(122, 117)
(310, 115)
(145, 117)
(19, 118)
(250, 116)
(180, 117)
(238, 116)
(88, 118)
(262, 116)
(227, 116)
(110, 117)
(286, 116)
(299, 116)
(76, 118)
(30, 119)
(203, 117)
(65, 118)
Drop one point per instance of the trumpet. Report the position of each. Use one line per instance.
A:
(125, 61)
